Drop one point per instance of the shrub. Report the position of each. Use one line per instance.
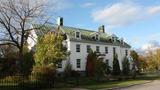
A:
(27, 64)
(43, 74)
(13, 79)
(99, 69)
(68, 70)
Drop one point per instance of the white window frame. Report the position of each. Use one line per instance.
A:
(96, 36)
(78, 63)
(98, 49)
(79, 35)
(77, 48)
(106, 50)
(126, 52)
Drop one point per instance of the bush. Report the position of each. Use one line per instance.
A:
(99, 69)
(13, 79)
(43, 74)
(68, 70)
(27, 63)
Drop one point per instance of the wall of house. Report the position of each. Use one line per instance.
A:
(32, 39)
(83, 54)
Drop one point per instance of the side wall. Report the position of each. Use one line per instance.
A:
(83, 54)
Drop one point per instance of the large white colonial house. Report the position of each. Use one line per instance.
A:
(80, 41)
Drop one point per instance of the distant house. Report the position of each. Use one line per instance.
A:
(80, 41)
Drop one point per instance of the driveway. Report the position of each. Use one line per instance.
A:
(155, 85)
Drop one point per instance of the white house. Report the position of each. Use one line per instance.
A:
(80, 41)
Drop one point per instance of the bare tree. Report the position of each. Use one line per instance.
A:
(16, 18)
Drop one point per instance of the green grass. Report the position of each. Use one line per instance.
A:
(87, 83)
(113, 84)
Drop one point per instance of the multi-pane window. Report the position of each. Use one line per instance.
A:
(77, 47)
(114, 50)
(88, 48)
(97, 49)
(60, 64)
(77, 34)
(106, 50)
(97, 37)
(107, 62)
(126, 52)
(78, 62)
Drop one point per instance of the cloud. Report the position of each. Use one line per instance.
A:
(57, 5)
(88, 4)
(154, 10)
(123, 13)
(151, 45)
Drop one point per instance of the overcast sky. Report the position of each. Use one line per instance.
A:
(137, 21)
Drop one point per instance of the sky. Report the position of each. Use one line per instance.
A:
(137, 21)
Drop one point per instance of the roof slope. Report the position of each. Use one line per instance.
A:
(86, 35)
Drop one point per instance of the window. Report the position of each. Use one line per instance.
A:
(114, 50)
(107, 62)
(60, 64)
(78, 63)
(97, 49)
(77, 34)
(106, 50)
(77, 47)
(126, 52)
(88, 48)
(97, 37)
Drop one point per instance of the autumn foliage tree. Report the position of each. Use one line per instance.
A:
(91, 58)
(135, 57)
(50, 49)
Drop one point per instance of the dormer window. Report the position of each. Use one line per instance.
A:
(77, 35)
(97, 37)
(114, 38)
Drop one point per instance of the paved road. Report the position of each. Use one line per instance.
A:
(155, 85)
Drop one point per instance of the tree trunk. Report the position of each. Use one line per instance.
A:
(20, 61)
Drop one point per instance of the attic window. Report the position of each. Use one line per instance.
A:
(97, 37)
(77, 34)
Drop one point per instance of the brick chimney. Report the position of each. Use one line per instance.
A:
(60, 21)
(101, 29)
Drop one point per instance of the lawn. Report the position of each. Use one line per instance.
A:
(114, 84)
(85, 83)
(103, 85)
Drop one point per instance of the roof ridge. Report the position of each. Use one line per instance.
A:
(80, 28)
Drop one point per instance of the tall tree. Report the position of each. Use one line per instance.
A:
(116, 67)
(91, 58)
(50, 48)
(125, 66)
(16, 17)
(135, 57)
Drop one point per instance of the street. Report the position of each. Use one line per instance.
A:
(155, 85)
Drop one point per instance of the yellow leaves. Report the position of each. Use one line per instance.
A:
(49, 48)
